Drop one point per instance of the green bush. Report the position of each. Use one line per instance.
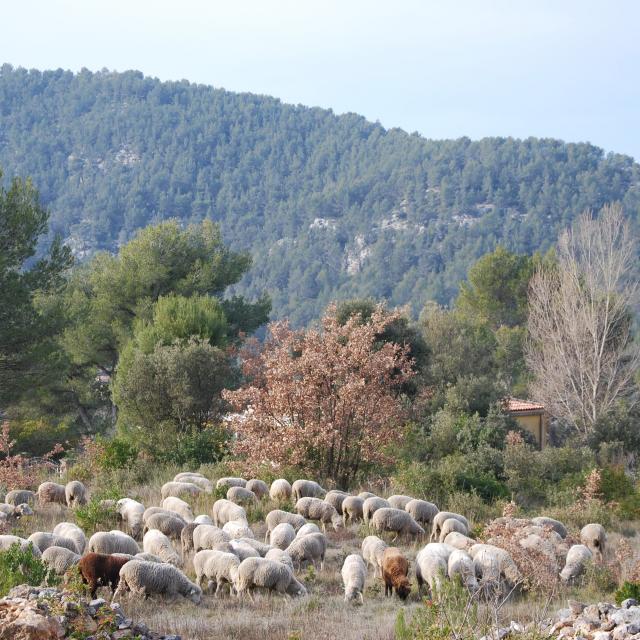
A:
(208, 446)
(95, 516)
(117, 453)
(628, 590)
(18, 566)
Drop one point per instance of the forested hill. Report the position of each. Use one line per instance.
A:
(329, 206)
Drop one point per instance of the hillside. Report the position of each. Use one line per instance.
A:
(329, 206)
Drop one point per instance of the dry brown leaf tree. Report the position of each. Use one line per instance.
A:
(581, 347)
(324, 399)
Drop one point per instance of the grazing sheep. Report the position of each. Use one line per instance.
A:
(158, 544)
(7, 541)
(11, 512)
(186, 538)
(180, 490)
(556, 525)
(422, 512)
(238, 529)
(108, 542)
(131, 513)
(282, 536)
(366, 494)
(241, 495)
(216, 566)
(372, 551)
(260, 572)
(432, 565)
(440, 518)
(451, 525)
(20, 496)
(275, 517)
(184, 475)
(335, 498)
(354, 575)
(279, 555)
(494, 566)
(178, 506)
(399, 501)
(316, 509)
(203, 519)
(280, 490)
(352, 509)
(395, 572)
(461, 564)
(306, 489)
(148, 578)
(43, 540)
(73, 532)
(259, 488)
(243, 550)
(207, 536)
(594, 537)
(195, 478)
(260, 547)
(310, 548)
(76, 494)
(51, 492)
(169, 524)
(305, 529)
(577, 558)
(224, 511)
(148, 557)
(371, 505)
(396, 521)
(459, 540)
(100, 569)
(225, 483)
(59, 559)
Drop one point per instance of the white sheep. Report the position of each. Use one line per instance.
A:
(439, 519)
(241, 495)
(11, 512)
(451, 525)
(577, 559)
(278, 555)
(280, 490)
(371, 505)
(225, 483)
(372, 552)
(180, 490)
(74, 532)
(282, 536)
(112, 542)
(422, 512)
(153, 510)
(143, 555)
(594, 537)
(178, 506)
(275, 517)
(243, 550)
(354, 575)
(202, 519)
(432, 565)
(158, 544)
(76, 494)
(148, 578)
(7, 541)
(131, 513)
(459, 540)
(396, 521)
(207, 536)
(224, 511)
(316, 509)
(260, 572)
(305, 529)
(352, 509)
(43, 540)
(306, 489)
(260, 547)
(195, 478)
(335, 498)
(216, 567)
(461, 564)
(259, 488)
(20, 496)
(310, 548)
(399, 501)
(51, 492)
(366, 494)
(494, 566)
(60, 559)
(556, 525)
(238, 529)
(171, 525)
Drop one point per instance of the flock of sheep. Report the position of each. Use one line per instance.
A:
(228, 555)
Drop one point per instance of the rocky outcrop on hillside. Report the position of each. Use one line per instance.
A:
(39, 613)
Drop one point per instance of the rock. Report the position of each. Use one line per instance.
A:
(625, 616)
(602, 635)
(29, 624)
(97, 603)
(576, 607)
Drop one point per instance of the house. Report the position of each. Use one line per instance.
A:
(531, 416)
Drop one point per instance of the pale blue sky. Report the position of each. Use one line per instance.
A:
(563, 68)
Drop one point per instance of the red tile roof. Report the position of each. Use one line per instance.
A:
(515, 405)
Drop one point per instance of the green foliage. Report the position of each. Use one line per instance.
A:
(116, 453)
(627, 590)
(18, 566)
(191, 449)
(96, 516)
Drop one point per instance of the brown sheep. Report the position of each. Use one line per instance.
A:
(395, 571)
(101, 569)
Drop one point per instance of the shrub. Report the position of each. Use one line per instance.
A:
(95, 516)
(628, 590)
(18, 566)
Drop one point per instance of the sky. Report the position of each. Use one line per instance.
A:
(561, 68)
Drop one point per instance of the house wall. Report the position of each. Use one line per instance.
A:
(536, 425)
